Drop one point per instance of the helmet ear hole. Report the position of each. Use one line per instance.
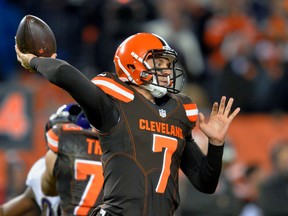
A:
(131, 67)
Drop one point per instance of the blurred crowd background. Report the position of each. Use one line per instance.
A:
(235, 48)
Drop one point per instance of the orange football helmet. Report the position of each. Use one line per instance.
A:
(131, 66)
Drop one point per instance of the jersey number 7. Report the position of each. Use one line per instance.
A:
(169, 145)
(84, 169)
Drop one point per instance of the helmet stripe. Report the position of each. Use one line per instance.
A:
(164, 43)
(130, 78)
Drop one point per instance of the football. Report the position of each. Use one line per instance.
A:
(35, 36)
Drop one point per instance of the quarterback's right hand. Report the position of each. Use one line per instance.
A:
(25, 59)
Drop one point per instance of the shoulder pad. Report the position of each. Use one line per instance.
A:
(114, 87)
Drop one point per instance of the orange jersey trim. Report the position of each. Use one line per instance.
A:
(191, 112)
(52, 140)
(114, 89)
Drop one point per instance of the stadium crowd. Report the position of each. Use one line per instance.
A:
(235, 47)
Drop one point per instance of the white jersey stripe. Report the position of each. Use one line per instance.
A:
(52, 141)
(114, 88)
(192, 112)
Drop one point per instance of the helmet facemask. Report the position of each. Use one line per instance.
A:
(175, 79)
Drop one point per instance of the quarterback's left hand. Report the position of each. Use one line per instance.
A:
(220, 119)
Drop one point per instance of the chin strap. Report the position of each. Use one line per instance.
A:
(156, 91)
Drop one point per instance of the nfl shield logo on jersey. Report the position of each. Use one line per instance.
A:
(162, 113)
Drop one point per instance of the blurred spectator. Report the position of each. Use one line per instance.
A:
(248, 54)
(270, 82)
(222, 202)
(229, 18)
(237, 79)
(259, 9)
(236, 48)
(275, 24)
(230, 35)
(199, 12)
(173, 24)
(250, 190)
(120, 19)
(273, 197)
(273, 56)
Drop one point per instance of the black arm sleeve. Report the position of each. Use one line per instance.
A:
(202, 171)
(96, 104)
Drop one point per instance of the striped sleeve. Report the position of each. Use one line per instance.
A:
(114, 89)
(191, 111)
(52, 140)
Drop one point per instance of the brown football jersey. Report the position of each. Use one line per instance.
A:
(78, 168)
(144, 150)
